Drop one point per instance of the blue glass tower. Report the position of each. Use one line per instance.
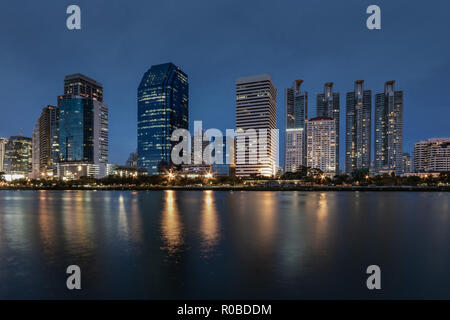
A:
(76, 141)
(83, 121)
(163, 98)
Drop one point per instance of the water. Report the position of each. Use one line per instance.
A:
(224, 245)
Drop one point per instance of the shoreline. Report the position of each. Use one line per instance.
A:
(239, 188)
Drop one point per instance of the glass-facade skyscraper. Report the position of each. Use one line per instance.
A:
(163, 107)
(358, 134)
(328, 105)
(82, 123)
(389, 129)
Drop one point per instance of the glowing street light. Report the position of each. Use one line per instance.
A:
(208, 175)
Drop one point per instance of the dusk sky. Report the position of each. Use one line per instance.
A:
(215, 42)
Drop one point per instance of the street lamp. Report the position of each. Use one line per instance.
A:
(208, 175)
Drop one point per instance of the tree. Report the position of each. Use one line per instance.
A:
(444, 177)
(341, 179)
(297, 175)
(2, 176)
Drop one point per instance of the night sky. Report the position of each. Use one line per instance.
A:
(217, 41)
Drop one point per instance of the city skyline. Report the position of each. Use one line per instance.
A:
(316, 106)
(388, 104)
(213, 64)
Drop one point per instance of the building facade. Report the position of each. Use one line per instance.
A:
(256, 136)
(132, 161)
(35, 151)
(407, 163)
(321, 145)
(358, 128)
(432, 155)
(295, 155)
(163, 107)
(328, 105)
(224, 156)
(18, 158)
(389, 129)
(3, 143)
(296, 106)
(44, 162)
(83, 137)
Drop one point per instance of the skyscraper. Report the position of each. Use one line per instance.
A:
(3, 143)
(18, 157)
(44, 163)
(82, 128)
(296, 104)
(163, 107)
(256, 112)
(389, 129)
(35, 151)
(328, 105)
(358, 128)
(321, 144)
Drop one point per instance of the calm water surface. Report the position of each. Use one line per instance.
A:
(214, 244)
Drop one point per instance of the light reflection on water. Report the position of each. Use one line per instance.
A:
(209, 224)
(171, 225)
(209, 244)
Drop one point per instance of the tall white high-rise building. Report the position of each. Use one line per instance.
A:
(321, 139)
(256, 117)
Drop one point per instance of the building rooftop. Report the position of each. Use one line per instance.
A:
(76, 76)
(255, 78)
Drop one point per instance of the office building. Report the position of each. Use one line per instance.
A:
(358, 128)
(82, 128)
(256, 135)
(163, 107)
